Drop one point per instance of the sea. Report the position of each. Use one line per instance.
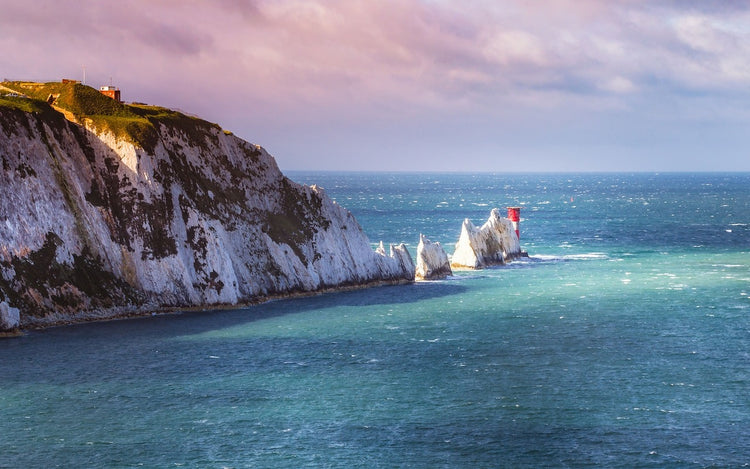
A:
(623, 340)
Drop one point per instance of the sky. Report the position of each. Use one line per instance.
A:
(419, 85)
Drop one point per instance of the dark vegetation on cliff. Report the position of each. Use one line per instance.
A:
(36, 282)
(68, 288)
(139, 124)
(192, 183)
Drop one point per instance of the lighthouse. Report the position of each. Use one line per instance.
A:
(514, 215)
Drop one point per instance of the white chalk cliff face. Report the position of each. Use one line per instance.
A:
(9, 317)
(494, 243)
(432, 260)
(93, 225)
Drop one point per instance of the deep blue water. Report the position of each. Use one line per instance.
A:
(624, 341)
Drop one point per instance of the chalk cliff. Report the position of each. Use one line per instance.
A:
(9, 317)
(432, 260)
(115, 208)
(492, 244)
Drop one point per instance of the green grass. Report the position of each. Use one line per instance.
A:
(22, 104)
(135, 129)
(12, 108)
(81, 100)
(136, 123)
(169, 116)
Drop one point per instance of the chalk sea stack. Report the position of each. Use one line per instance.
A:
(432, 260)
(494, 243)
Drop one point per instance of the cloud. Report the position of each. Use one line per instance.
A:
(720, 48)
(427, 53)
(509, 47)
(619, 85)
(274, 65)
(63, 24)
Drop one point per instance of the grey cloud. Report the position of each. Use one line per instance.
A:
(118, 24)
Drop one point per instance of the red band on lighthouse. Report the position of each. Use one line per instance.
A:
(514, 215)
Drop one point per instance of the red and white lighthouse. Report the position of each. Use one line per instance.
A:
(514, 215)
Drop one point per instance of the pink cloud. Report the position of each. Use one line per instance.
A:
(259, 64)
(335, 53)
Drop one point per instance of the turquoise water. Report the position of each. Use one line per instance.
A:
(624, 341)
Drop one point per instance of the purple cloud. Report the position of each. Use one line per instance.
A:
(271, 69)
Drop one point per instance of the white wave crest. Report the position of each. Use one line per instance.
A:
(591, 255)
(570, 257)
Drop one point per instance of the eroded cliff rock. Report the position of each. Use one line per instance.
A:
(9, 317)
(493, 244)
(432, 260)
(100, 217)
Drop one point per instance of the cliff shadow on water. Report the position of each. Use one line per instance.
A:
(159, 327)
(196, 322)
(202, 321)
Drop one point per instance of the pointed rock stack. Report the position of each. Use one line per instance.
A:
(493, 244)
(432, 260)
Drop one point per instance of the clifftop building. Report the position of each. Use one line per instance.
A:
(111, 91)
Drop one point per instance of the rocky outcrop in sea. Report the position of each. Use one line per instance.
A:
(494, 243)
(432, 260)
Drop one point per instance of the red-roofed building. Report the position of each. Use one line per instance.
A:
(111, 91)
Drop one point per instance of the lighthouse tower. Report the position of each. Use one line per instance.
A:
(514, 215)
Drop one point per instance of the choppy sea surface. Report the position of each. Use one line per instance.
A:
(623, 341)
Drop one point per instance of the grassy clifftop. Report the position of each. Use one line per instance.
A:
(136, 123)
